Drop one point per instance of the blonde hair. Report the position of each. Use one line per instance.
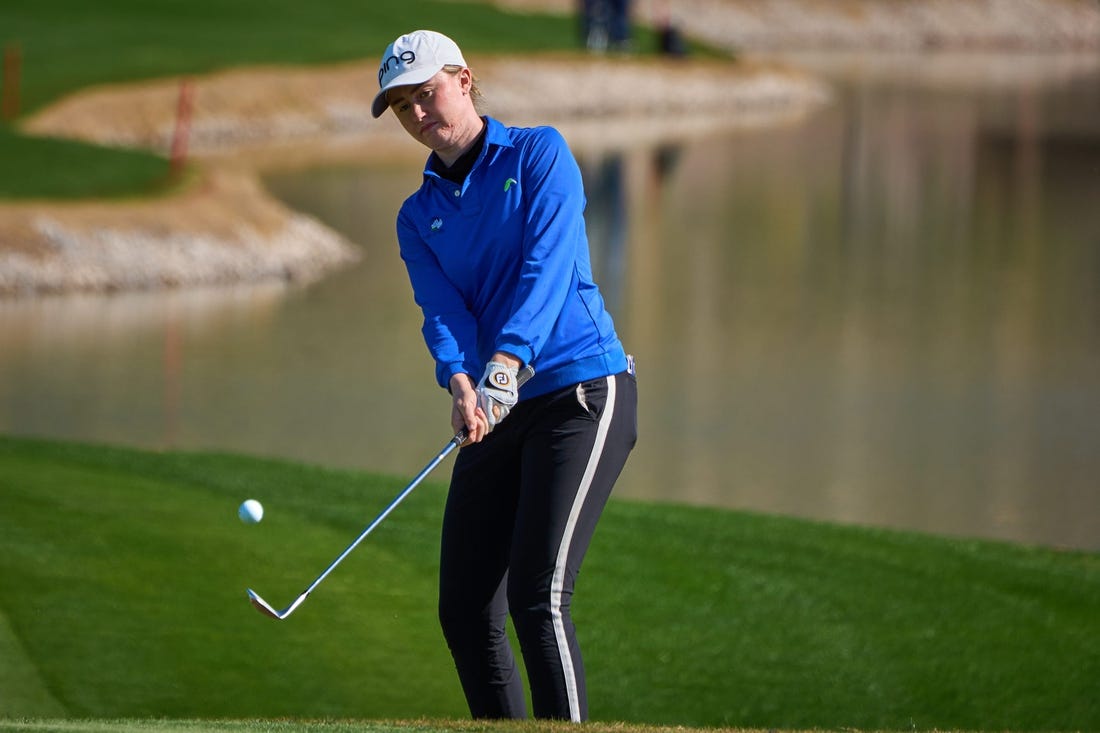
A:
(475, 91)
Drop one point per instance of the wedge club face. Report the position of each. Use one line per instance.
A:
(265, 608)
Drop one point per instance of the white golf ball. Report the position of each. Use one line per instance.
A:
(251, 511)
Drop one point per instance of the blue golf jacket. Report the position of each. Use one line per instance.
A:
(501, 263)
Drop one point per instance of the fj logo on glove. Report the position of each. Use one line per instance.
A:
(501, 378)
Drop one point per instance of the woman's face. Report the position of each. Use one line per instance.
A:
(437, 113)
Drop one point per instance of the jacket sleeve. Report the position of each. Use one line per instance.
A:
(449, 329)
(553, 230)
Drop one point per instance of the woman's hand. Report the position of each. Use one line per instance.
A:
(498, 391)
(465, 414)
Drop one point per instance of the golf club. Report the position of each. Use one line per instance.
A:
(265, 608)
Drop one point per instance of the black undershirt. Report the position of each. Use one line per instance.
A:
(457, 173)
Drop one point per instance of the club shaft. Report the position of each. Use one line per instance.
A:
(451, 445)
(524, 374)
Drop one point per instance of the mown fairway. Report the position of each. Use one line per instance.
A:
(123, 577)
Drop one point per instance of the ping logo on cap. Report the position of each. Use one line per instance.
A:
(413, 59)
(408, 58)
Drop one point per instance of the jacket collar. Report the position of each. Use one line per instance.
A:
(495, 134)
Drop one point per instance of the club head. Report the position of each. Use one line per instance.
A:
(265, 608)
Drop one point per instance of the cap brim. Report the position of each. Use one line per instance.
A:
(409, 78)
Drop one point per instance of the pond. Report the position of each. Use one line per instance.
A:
(885, 314)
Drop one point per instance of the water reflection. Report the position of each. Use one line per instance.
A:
(113, 368)
(887, 315)
(606, 221)
(881, 320)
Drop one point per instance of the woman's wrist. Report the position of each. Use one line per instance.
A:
(507, 359)
(461, 382)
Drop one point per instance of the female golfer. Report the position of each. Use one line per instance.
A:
(495, 246)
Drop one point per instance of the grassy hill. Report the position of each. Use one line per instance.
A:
(123, 576)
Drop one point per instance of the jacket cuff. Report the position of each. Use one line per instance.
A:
(522, 352)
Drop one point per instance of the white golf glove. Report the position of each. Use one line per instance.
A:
(498, 392)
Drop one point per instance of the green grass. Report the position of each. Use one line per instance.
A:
(39, 725)
(65, 169)
(68, 44)
(123, 575)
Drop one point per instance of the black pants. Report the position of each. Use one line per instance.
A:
(522, 509)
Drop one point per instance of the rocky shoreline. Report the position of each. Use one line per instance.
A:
(225, 228)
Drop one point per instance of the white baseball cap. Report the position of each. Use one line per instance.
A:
(413, 59)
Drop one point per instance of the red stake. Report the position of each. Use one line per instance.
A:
(183, 127)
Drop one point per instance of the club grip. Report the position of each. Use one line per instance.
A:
(521, 378)
(524, 374)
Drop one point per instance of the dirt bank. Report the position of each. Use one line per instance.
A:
(261, 116)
